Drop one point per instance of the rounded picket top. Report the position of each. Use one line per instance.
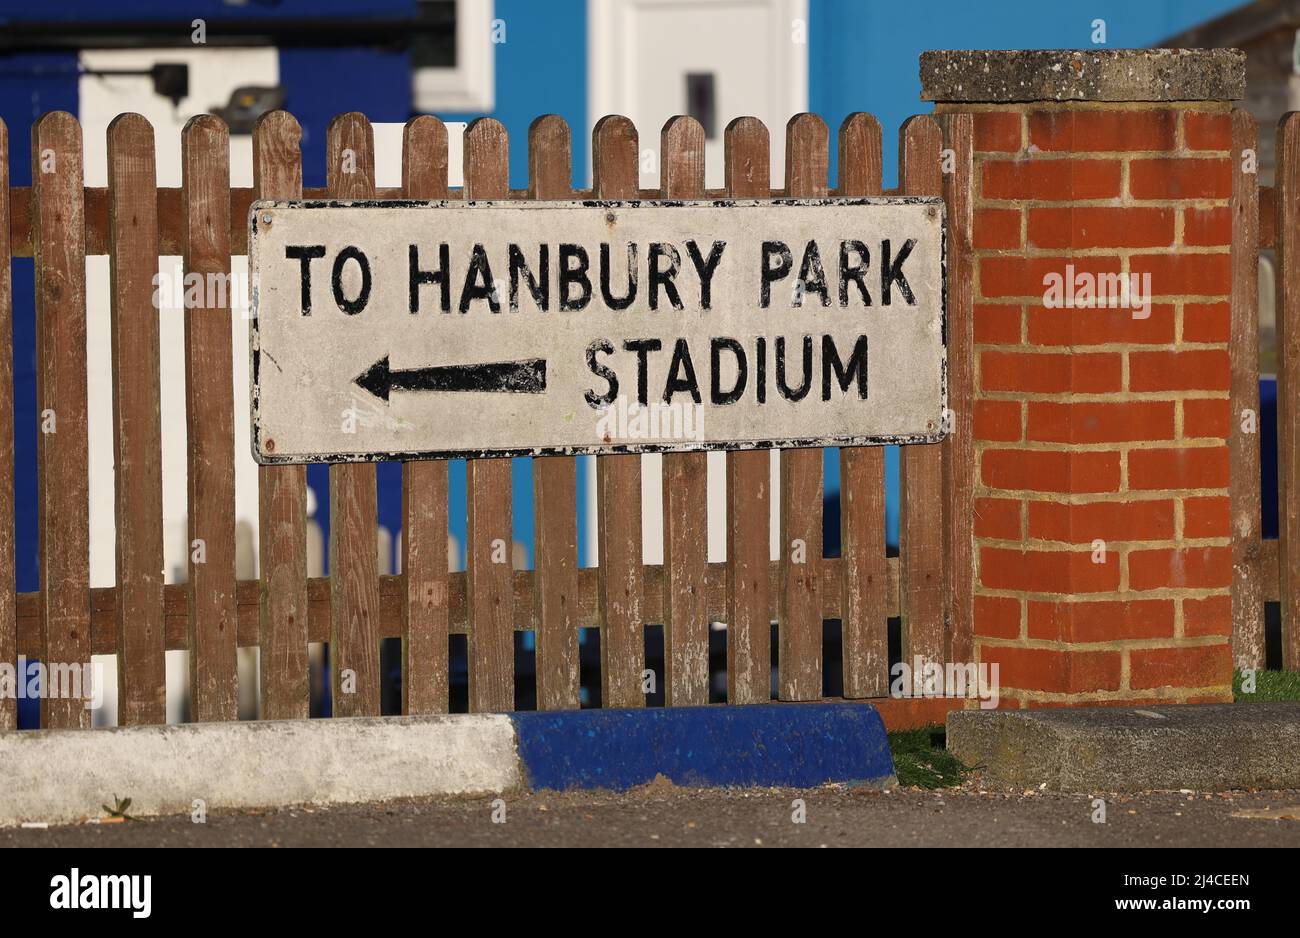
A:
(278, 123)
(615, 158)
(550, 157)
(205, 124)
(424, 158)
(681, 158)
(487, 159)
(747, 157)
(860, 157)
(128, 123)
(807, 142)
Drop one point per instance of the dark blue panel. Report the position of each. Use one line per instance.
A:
(91, 11)
(798, 745)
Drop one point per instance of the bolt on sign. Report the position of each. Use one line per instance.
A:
(387, 330)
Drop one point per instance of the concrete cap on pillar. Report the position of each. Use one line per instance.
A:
(1115, 75)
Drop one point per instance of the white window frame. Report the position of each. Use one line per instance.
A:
(471, 85)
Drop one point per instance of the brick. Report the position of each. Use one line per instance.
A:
(1048, 373)
(1099, 131)
(1210, 516)
(1062, 672)
(1188, 666)
(997, 617)
(998, 421)
(1204, 131)
(997, 518)
(1022, 276)
(997, 131)
(1051, 180)
(1088, 422)
(1100, 326)
(1047, 571)
(1101, 620)
(1111, 521)
(1185, 274)
(1209, 616)
(1050, 471)
(996, 228)
(1201, 467)
(1207, 227)
(997, 324)
(1206, 419)
(1180, 178)
(1195, 370)
(1089, 227)
(1207, 322)
(1186, 568)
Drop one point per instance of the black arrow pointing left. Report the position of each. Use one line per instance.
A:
(520, 377)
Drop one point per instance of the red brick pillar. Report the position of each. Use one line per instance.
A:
(1100, 433)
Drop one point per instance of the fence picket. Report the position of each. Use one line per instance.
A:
(489, 544)
(615, 174)
(8, 582)
(209, 414)
(749, 622)
(59, 238)
(137, 422)
(921, 509)
(555, 509)
(799, 627)
(425, 654)
(281, 490)
(685, 480)
(354, 574)
(1247, 582)
(865, 595)
(1287, 175)
(958, 449)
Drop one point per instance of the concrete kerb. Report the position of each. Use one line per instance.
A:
(1201, 747)
(62, 776)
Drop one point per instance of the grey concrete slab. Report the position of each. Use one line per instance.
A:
(1202, 747)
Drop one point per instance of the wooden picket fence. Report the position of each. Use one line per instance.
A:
(58, 222)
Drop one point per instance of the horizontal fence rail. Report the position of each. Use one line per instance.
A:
(59, 222)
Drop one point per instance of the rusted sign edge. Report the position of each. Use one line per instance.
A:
(594, 449)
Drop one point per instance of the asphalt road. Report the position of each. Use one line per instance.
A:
(661, 815)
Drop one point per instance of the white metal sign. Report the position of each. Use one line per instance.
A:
(385, 330)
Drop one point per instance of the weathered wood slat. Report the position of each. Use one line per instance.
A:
(555, 507)
(489, 536)
(749, 612)
(425, 654)
(209, 416)
(282, 490)
(922, 513)
(799, 629)
(1287, 175)
(8, 617)
(103, 603)
(354, 574)
(685, 480)
(59, 236)
(865, 619)
(615, 168)
(137, 422)
(1243, 448)
(169, 214)
(958, 450)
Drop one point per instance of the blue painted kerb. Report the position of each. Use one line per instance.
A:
(795, 745)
